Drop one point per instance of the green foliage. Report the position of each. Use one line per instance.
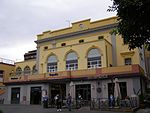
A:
(134, 24)
(143, 97)
(1, 111)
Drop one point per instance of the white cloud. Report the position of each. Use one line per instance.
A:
(16, 52)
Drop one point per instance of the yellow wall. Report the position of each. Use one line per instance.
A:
(8, 69)
(90, 41)
(23, 64)
(123, 52)
(80, 49)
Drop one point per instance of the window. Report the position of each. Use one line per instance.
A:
(100, 37)
(27, 70)
(94, 59)
(127, 61)
(123, 89)
(1, 73)
(72, 61)
(81, 41)
(81, 26)
(46, 47)
(18, 71)
(63, 44)
(52, 64)
(34, 69)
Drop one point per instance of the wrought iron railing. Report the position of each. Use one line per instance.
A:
(100, 103)
(105, 103)
(7, 61)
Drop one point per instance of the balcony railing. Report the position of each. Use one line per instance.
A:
(77, 74)
(7, 61)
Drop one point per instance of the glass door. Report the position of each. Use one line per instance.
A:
(35, 95)
(84, 90)
(15, 95)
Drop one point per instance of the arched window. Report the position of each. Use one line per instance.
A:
(34, 69)
(94, 59)
(27, 70)
(18, 71)
(52, 64)
(72, 61)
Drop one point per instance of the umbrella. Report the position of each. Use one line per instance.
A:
(117, 93)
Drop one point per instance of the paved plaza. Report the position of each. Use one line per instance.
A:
(40, 109)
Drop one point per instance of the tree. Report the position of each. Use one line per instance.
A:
(133, 21)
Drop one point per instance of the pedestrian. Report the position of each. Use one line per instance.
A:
(45, 101)
(69, 98)
(79, 100)
(58, 102)
(111, 100)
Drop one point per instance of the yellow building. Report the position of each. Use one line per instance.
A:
(7, 67)
(83, 59)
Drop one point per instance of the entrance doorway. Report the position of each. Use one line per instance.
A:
(15, 95)
(57, 89)
(111, 89)
(122, 86)
(84, 90)
(35, 95)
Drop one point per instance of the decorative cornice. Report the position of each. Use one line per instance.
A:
(78, 33)
(129, 53)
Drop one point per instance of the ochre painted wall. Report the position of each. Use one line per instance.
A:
(124, 52)
(8, 69)
(81, 50)
(23, 64)
(90, 41)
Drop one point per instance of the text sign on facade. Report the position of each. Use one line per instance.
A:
(53, 74)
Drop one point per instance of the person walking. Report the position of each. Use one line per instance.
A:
(58, 102)
(69, 98)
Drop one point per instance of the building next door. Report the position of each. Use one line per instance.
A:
(85, 91)
(15, 95)
(35, 95)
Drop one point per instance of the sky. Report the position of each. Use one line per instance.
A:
(22, 20)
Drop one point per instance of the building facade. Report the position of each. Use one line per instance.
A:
(7, 67)
(86, 59)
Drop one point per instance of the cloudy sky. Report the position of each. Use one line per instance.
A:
(22, 20)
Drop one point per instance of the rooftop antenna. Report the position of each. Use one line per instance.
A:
(69, 22)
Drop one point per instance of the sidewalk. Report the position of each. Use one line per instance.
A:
(40, 109)
(147, 110)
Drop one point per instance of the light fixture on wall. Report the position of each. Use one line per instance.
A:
(93, 86)
(104, 86)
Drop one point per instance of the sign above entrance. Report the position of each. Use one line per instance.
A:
(53, 74)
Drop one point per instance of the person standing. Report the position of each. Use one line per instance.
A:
(79, 101)
(111, 100)
(58, 102)
(45, 101)
(69, 101)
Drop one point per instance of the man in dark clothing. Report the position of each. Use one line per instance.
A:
(69, 102)
(58, 102)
